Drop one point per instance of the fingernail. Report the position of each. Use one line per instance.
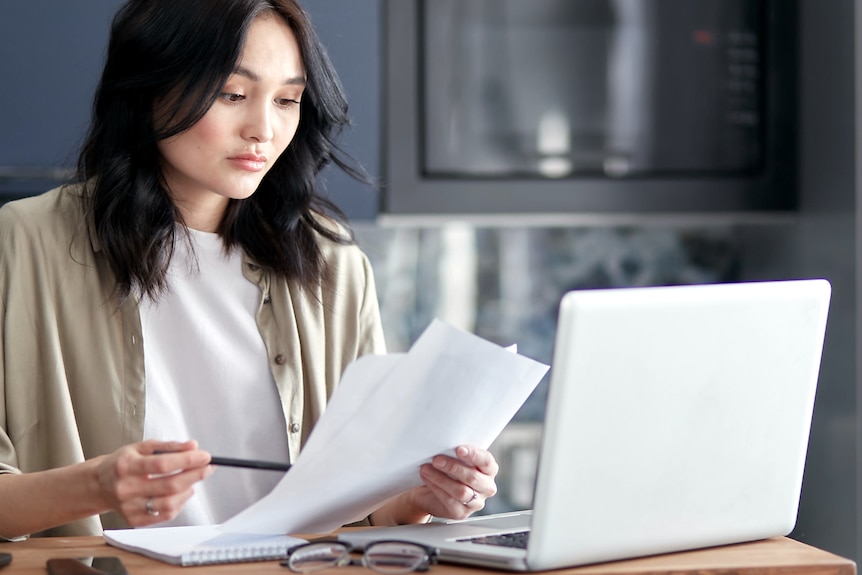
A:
(438, 462)
(462, 451)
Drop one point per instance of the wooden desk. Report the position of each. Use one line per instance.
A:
(779, 556)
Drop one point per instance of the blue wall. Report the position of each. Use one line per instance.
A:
(351, 31)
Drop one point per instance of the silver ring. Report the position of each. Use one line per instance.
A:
(472, 499)
(151, 510)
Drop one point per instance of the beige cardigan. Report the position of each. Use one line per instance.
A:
(72, 382)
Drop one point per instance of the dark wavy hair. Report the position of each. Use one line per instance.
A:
(182, 52)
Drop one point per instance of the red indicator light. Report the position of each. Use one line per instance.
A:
(704, 37)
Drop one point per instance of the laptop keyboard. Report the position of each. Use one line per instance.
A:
(518, 540)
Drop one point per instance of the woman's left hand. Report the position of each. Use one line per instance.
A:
(455, 488)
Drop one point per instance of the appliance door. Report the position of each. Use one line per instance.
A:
(553, 88)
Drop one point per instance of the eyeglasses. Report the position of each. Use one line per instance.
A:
(387, 557)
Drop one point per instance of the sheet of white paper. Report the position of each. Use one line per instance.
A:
(389, 415)
(372, 372)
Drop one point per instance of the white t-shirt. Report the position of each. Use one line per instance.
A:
(208, 377)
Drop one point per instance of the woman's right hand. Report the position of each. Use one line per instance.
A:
(150, 481)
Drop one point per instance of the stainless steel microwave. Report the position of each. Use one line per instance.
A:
(550, 108)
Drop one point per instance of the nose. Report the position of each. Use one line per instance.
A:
(257, 124)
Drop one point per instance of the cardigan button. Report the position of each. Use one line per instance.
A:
(267, 298)
(280, 359)
(294, 427)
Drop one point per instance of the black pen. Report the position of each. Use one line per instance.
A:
(249, 463)
(246, 463)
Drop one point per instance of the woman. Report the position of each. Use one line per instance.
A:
(191, 284)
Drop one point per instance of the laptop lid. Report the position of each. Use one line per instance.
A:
(677, 418)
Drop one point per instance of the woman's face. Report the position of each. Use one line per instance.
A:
(228, 152)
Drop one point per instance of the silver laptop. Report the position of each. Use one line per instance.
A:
(677, 418)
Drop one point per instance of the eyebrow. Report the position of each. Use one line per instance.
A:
(292, 81)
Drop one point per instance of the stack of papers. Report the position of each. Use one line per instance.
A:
(389, 415)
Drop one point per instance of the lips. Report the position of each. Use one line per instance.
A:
(249, 162)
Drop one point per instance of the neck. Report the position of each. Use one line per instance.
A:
(203, 216)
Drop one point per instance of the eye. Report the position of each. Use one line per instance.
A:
(229, 97)
(286, 102)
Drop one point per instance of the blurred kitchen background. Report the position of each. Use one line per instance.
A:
(529, 147)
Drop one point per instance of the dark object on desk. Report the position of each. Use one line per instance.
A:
(86, 566)
(5, 559)
(250, 464)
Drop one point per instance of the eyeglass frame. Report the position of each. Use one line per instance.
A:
(429, 559)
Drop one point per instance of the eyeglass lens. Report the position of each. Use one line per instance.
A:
(396, 557)
(387, 557)
(317, 556)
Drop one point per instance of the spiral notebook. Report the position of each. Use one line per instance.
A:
(200, 544)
